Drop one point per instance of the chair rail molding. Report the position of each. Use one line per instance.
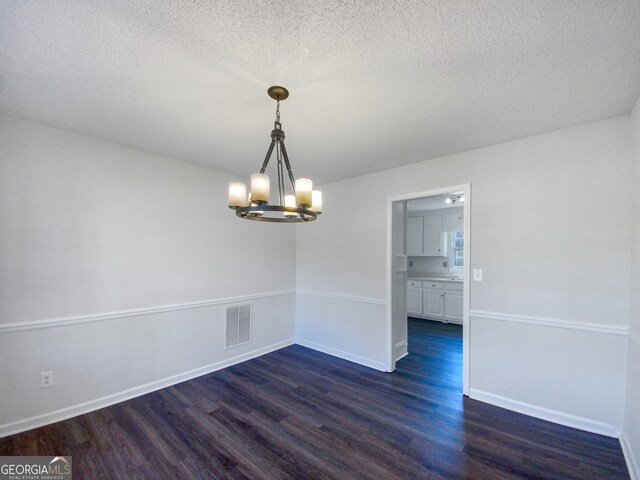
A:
(101, 317)
(551, 322)
(339, 296)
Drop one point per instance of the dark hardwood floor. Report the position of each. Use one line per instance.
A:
(297, 413)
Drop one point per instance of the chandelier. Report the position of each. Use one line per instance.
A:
(303, 204)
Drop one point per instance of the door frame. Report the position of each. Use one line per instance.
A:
(466, 347)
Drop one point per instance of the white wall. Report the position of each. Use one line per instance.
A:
(82, 292)
(105, 255)
(427, 265)
(631, 428)
(555, 260)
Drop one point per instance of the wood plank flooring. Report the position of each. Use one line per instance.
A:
(297, 413)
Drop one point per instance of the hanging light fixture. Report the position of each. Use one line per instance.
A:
(303, 204)
(454, 197)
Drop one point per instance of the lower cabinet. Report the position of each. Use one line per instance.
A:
(453, 306)
(433, 303)
(414, 300)
(435, 300)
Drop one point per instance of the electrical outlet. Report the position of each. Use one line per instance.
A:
(445, 264)
(46, 379)
(477, 274)
(411, 263)
(332, 327)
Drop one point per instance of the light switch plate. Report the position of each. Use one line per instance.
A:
(477, 274)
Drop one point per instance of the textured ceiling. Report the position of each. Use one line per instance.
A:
(373, 84)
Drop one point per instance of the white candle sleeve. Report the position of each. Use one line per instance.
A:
(316, 201)
(237, 195)
(260, 186)
(304, 187)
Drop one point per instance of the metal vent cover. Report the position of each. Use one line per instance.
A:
(238, 331)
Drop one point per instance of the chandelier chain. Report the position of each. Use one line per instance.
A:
(278, 111)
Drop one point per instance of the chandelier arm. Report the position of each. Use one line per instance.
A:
(266, 159)
(280, 172)
(288, 165)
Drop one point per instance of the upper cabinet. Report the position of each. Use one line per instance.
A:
(453, 222)
(426, 233)
(432, 238)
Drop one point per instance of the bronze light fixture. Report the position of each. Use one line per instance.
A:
(303, 204)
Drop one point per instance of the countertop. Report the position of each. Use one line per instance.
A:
(435, 279)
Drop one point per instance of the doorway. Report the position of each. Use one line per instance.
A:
(431, 230)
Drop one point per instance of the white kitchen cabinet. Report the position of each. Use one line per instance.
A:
(432, 238)
(453, 306)
(426, 232)
(414, 300)
(414, 235)
(433, 301)
(453, 222)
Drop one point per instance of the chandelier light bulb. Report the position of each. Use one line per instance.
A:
(237, 194)
(290, 201)
(260, 186)
(316, 201)
(304, 187)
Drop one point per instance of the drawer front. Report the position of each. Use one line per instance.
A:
(436, 285)
(414, 283)
(457, 287)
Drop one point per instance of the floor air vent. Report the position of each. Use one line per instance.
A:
(238, 325)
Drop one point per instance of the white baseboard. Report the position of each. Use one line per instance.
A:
(92, 405)
(367, 362)
(566, 419)
(630, 458)
(402, 356)
(400, 351)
